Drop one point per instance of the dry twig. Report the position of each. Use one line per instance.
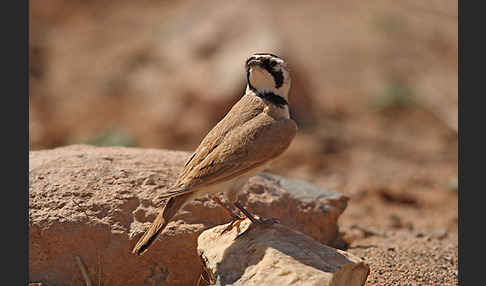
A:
(83, 271)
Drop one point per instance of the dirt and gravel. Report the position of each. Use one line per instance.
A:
(374, 93)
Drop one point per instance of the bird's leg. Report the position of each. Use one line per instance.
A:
(247, 214)
(237, 185)
(261, 221)
(228, 210)
(236, 219)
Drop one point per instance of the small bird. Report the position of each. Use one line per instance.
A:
(253, 133)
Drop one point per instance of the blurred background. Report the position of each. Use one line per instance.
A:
(374, 86)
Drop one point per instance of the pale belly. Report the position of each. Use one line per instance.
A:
(231, 187)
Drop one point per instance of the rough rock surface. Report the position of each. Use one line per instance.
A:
(95, 202)
(274, 255)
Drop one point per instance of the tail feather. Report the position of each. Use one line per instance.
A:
(174, 193)
(160, 222)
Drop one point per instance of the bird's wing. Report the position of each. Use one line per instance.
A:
(242, 149)
(243, 111)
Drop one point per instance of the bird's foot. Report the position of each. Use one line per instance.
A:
(258, 221)
(267, 221)
(236, 221)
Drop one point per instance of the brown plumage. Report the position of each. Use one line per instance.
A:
(253, 133)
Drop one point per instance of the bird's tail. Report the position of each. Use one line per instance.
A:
(160, 222)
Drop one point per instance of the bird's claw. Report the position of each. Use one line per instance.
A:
(236, 221)
(268, 221)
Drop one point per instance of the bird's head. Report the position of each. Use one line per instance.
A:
(267, 73)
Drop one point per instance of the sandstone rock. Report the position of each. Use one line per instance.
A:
(274, 255)
(95, 202)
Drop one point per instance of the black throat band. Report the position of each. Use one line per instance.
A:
(277, 100)
(273, 98)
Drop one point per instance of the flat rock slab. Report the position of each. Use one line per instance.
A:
(95, 202)
(274, 255)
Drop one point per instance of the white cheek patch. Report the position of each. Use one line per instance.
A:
(261, 79)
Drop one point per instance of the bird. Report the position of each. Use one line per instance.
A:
(255, 131)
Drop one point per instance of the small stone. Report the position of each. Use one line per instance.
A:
(149, 181)
(396, 222)
(440, 234)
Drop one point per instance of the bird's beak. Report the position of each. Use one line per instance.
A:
(254, 62)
